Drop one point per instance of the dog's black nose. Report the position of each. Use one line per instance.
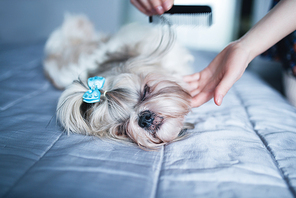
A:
(146, 119)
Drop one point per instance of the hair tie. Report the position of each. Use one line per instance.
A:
(93, 95)
(104, 94)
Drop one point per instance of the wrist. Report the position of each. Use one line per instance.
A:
(245, 48)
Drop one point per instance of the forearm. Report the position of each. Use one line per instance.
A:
(277, 24)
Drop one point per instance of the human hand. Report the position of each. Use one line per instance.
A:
(153, 7)
(216, 79)
(229, 65)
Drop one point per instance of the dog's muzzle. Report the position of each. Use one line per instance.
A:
(149, 121)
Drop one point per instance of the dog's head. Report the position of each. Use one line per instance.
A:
(146, 109)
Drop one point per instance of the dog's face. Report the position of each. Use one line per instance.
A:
(147, 109)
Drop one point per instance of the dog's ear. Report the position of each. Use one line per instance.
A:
(119, 131)
(71, 111)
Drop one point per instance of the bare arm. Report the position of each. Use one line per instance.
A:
(277, 24)
(229, 65)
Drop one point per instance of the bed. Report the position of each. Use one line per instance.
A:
(244, 148)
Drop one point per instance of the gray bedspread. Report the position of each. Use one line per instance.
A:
(244, 148)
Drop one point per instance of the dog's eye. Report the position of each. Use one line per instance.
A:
(145, 92)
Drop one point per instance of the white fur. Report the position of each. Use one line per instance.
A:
(142, 66)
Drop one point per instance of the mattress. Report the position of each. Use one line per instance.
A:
(244, 148)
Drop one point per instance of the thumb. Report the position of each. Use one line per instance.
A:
(167, 4)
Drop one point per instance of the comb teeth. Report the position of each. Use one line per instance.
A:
(186, 15)
(203, 19)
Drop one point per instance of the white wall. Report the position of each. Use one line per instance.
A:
(223, 30)
(214, 38)
(25, 21)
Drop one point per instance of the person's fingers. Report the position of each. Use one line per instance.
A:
(144, 6)
(147, 5)
(192, 77)
(138, 6)
(150, 7)
(223, 87)
(157, 6)
(201, 98)
(167, 4)
(192, 85)
(194, 92)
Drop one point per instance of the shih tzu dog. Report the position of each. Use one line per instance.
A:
(126, 86)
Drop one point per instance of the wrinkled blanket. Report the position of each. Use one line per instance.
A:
(244, 148)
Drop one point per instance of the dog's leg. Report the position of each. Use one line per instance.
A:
(69, 50)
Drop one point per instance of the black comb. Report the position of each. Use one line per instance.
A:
(187, 15)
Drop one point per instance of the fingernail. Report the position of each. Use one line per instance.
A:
(219, 100)
(167, 5)
(159, 10)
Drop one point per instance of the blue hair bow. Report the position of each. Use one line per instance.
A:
(93, 95)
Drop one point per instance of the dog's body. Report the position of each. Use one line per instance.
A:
(144, 98)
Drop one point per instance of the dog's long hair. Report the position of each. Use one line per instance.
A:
(143, 100)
